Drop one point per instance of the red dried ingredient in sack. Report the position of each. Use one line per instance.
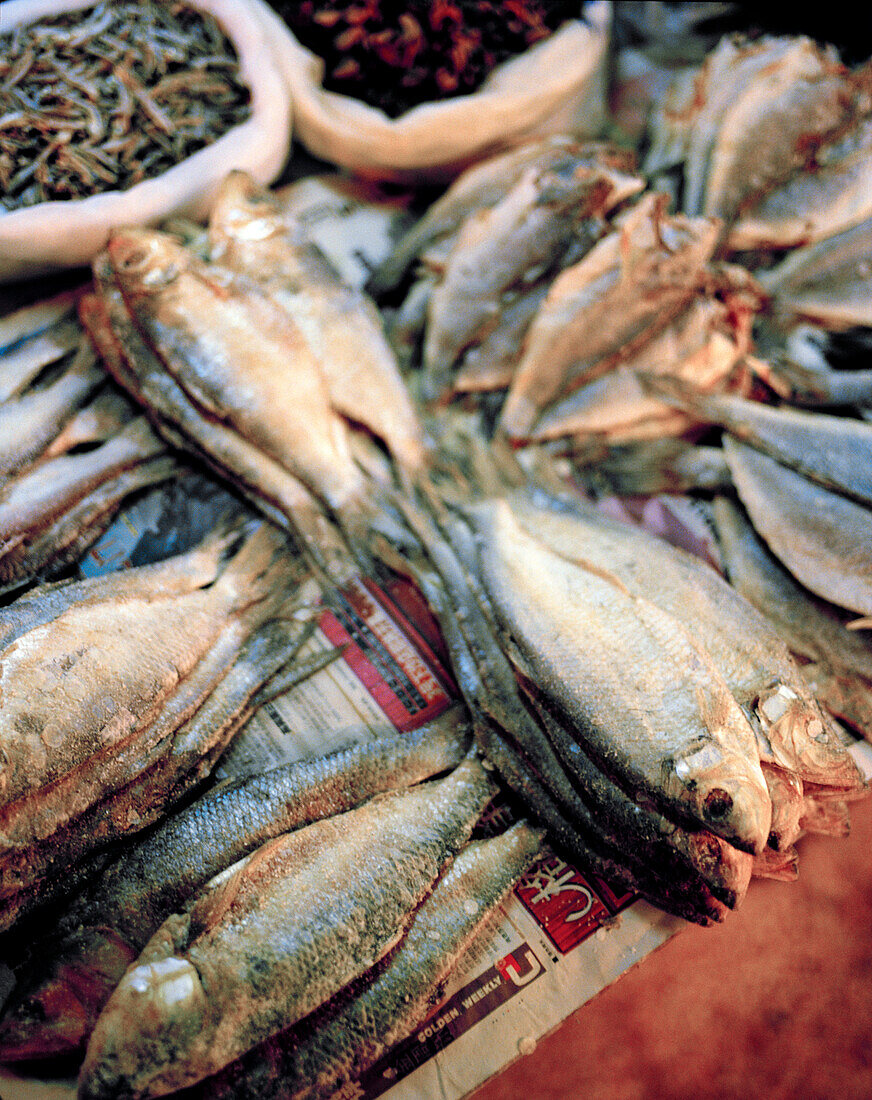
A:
(395, 55)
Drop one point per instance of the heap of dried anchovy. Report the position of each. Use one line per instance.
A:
(103, 99)
(395, 54)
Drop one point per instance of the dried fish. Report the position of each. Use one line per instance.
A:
(749, 654)
(499, 247)
(139, 727)
(828, 282)
(275, 940)
(240, 360)
(700, 761)
(29, 422)
(823, 538)
(58, 1000)
(628, 287)
(833, 450)
(344, 1040)
(840, 667)
(250, 235)
(481, 186)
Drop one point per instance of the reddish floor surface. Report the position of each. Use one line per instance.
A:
(775, 1003)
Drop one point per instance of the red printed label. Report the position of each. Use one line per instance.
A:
(403, 676)
(563, 901)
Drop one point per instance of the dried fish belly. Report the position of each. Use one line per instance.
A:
(303, 916)
(139, 723)
(57, 1001)
(351, 1033)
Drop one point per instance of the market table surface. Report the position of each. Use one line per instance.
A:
(775, 1003)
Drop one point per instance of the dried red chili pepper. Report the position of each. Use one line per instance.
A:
(394, 54)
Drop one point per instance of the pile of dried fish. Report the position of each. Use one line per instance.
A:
(269, 941)
(103, 100)
(543, 276)
(649, 714)
(252, 376)
(120, 692)
(642, 708)
(72, 450)
(71, 974)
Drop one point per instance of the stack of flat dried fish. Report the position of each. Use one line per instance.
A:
(491, 246)
(72, 447)
(564, 306)
(121, 691)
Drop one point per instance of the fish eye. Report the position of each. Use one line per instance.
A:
(134, 259)
(718, 804)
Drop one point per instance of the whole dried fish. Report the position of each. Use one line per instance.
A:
(691, 873)
(139, 725)
(31, 421)
(349, 1036)
(58, 1000)
(251, 235)
(823, 538)
(747, 119)
(483, 185)
(749, 654)
(278, 937)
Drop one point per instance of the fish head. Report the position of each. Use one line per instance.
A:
(54, 1008)
(156, 1011)
(802, 739)
(146, 260)
(243, 210)
(726, 792)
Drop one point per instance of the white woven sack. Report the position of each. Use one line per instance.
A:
(556, 86)
(53, 235)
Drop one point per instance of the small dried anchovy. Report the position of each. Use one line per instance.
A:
(104, 98)
(395, 55)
